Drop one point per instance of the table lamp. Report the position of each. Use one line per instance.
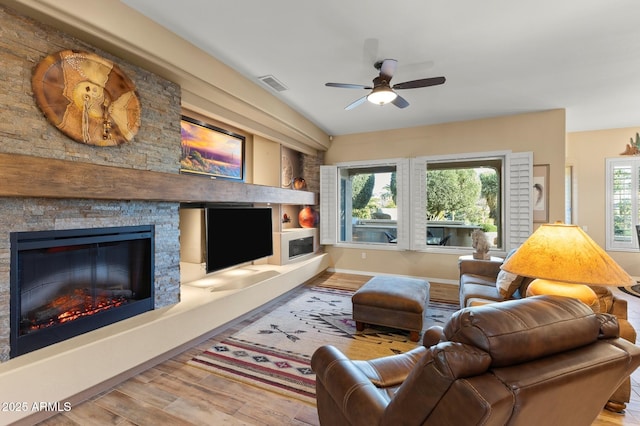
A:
(565, 261)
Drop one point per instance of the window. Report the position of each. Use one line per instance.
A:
(623, 186)
(462, 196)
(503, 208)
(368, 211)
(429, 202)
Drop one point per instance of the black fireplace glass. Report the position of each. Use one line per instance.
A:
(65, 283)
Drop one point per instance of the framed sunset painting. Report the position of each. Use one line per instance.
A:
(211, 151)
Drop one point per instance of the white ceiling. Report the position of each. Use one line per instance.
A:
(499, 57)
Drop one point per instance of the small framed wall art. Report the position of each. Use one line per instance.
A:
(541, 193)
(211, 151)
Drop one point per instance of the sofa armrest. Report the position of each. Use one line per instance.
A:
(627, 331)
(360, 401)
(619, 308)
(485, 268)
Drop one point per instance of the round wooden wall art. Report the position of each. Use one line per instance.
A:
(87, 97)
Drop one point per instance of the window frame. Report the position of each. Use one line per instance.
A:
(330, 177)
(419, 194)
(516, 212)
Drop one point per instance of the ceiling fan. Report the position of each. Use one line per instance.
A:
(381, 92)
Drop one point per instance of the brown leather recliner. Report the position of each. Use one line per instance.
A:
(478, 286)
(539, 360)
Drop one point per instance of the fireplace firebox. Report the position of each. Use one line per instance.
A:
(67, 282)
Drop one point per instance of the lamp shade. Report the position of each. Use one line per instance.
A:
(381, 95)
(565, 253)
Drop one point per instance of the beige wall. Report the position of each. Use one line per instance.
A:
(543, 133)
(266, 162)
(586, 153)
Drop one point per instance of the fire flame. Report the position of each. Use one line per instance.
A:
(69, 307)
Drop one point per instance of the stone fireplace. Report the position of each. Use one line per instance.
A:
(61, 202)
(65, 283)
(30, 216)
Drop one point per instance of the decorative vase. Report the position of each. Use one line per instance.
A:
(299, 183)
(308, 217)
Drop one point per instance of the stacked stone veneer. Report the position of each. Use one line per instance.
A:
(311, 170)
(24, 130)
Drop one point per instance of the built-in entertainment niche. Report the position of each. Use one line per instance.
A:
(218, 236)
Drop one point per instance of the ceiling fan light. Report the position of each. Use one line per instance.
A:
(381, 95)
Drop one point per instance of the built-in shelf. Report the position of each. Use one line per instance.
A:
(28, 176)
(282, 245)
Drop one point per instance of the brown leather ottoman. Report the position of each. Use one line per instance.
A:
(395, 302)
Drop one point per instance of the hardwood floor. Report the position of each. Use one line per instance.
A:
(177, 394)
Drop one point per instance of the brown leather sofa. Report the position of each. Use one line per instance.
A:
(478, 286)
(539, 360)
(478, 283)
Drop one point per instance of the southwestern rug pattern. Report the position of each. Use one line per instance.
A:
(274, 352)
(633, 290)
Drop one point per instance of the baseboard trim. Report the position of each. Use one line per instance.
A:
(369, 273)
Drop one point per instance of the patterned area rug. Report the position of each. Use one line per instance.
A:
(274, 352)
(633, 290)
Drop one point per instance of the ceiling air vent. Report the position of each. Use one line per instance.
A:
(273, 82)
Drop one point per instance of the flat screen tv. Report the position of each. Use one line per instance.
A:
(237, 235)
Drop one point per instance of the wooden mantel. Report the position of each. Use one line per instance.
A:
(27, 176)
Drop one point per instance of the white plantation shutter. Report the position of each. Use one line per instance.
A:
(418, 204)
(328, 204)
(518, 198)
(403, 201)
(622, 203)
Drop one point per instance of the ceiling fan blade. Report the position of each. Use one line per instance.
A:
(400, 102)
(388, 69)
(354, 104)
(424, 82)
(348, 86)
